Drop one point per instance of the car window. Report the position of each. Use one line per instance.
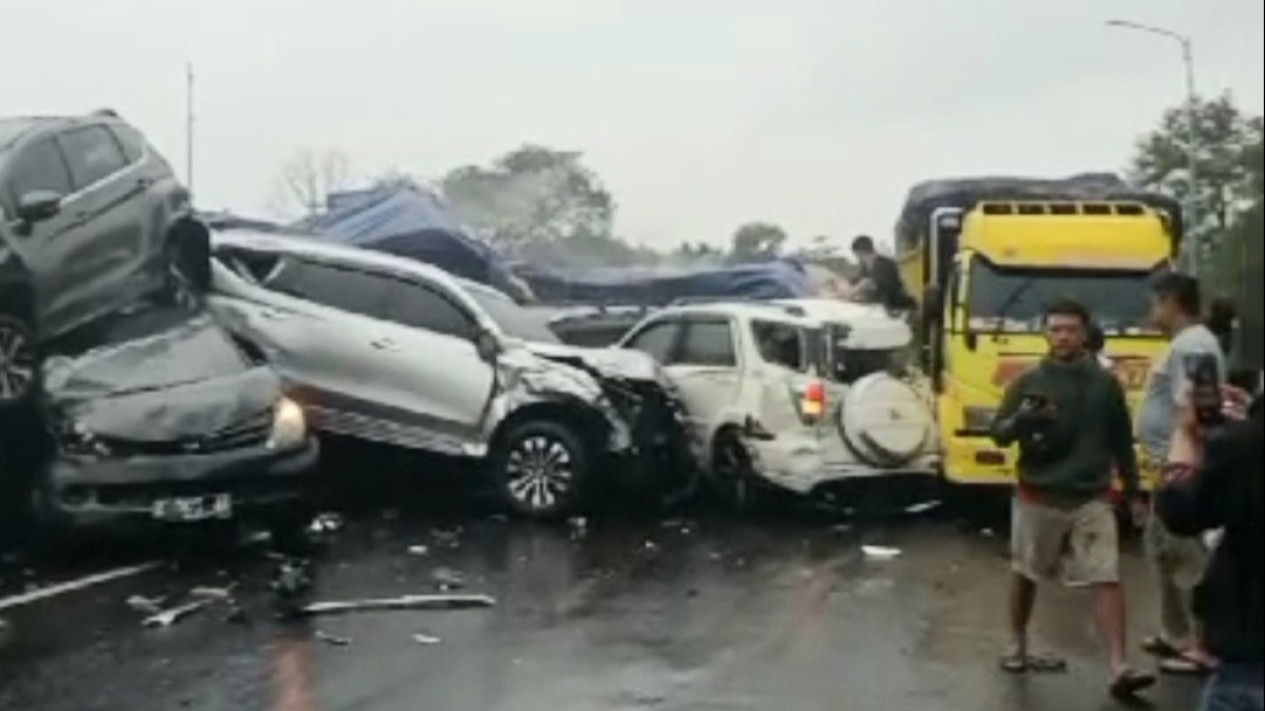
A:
(708, 342)
(780, 343)
(418, 306)
(39, 166)
(656, 340)
(344, 289)
(131, 140)
(92, 153)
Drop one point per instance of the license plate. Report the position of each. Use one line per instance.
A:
(187, 509)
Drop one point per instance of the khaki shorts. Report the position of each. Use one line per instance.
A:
(1080, 545)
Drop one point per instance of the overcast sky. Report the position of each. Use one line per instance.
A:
(698, 114)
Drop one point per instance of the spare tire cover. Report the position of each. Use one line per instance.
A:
(885, 420)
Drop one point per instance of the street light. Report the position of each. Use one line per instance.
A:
(1191, 256)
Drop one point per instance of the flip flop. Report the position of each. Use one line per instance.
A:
(1159, 647)
(1184, 665)
(1035, 663)
(1127, 684)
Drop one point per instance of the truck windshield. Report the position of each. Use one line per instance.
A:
(1013, 300)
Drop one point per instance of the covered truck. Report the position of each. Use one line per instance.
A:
(984, 256)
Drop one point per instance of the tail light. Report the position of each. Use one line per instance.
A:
(812, 404)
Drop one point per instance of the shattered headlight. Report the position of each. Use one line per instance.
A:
(289, 426)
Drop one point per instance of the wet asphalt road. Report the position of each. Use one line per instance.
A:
(696, 613)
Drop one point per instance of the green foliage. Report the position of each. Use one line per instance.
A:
(534, 196)
(756, 241)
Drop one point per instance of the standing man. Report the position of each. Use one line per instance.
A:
(1177, 562)
(879, 280)
(1069, 417)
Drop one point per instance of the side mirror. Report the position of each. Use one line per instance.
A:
(486, 345)
(38, 205)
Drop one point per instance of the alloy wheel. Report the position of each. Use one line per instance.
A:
(17, 364)
(540, 472)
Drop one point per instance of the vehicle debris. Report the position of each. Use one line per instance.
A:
(418, 550)
(450, 538)
(332, 639)
(426, 639)
(880, 552)
(146, 605)
(167, 618)
(922, 508)
(326, 523)
(447, 579)
(225, 593)
(406, 602)
(579, 527)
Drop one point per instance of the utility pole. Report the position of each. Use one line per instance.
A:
(1190, 254)
(188, 138)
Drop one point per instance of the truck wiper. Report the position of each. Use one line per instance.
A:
(1009, 303)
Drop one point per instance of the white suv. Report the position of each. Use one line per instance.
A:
(800, 394)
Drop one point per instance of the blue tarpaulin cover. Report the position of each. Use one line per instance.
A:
(656, 286)
(408, 220)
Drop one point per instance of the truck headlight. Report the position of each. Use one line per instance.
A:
(978, 419)
(289, 426)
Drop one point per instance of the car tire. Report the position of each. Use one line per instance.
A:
(732, 473)
(541, 468)
(19, 365)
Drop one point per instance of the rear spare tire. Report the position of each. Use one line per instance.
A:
(886, 422)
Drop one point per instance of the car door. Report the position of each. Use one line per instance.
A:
(104, 243)
(428, 346)
(43, 246)
(317, 328)
(706, 369)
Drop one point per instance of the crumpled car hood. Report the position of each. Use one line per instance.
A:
(619, 363)
(179, 412)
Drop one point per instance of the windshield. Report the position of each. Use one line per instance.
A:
(514, 320)
(1014, 300)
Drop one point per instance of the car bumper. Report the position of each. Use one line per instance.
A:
(804, 465)
(89, 492)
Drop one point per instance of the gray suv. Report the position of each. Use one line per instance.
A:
(91, 219)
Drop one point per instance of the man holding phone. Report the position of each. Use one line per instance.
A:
(1177, 562)
(1214, 481)
(1070, 420)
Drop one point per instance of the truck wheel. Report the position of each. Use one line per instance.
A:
(541, 467)
(19, 364)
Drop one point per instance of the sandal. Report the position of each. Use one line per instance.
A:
(1035, 663)
(1160, 647)
(1127, 684)
(1185, 665)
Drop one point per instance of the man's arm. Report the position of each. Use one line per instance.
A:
(1196, 497)
(1121, 434)
(1005, 430)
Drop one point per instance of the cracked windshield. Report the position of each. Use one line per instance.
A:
(602, 355)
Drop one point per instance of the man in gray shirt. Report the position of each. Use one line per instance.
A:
(1178, 562)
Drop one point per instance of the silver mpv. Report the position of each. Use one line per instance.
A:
(392, 350)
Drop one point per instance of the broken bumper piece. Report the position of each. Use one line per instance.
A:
(254, 483)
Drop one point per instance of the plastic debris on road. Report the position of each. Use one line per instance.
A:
(332, 639)
(146, 605)
(406, 602)
(167, 618)
(447, 579)
(923, 507)
(880, 552)
(426, 639)
(418, 550)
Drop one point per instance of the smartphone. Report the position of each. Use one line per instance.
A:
(1032, 402)
(1203, 371)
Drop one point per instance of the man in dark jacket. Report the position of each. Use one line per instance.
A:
(879, 280)
(1221, 488)
(1069, 417)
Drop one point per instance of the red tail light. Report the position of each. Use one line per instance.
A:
(813, 404)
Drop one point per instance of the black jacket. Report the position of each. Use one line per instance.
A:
(889, 290)
(1226, 492)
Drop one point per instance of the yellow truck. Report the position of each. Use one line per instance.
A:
(984, 257)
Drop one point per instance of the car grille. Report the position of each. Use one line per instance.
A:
(250, 433)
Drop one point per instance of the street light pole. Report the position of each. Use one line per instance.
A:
(1191, 256)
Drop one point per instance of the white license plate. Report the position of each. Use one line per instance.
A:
(194, 508)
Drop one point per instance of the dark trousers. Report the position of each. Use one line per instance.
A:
(1236, 687)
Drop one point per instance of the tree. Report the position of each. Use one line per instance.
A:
(308, 178)
(757, 240)
(534, 196)
(1225, 181)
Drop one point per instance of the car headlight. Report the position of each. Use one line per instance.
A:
(978, 419)
(289, 426)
